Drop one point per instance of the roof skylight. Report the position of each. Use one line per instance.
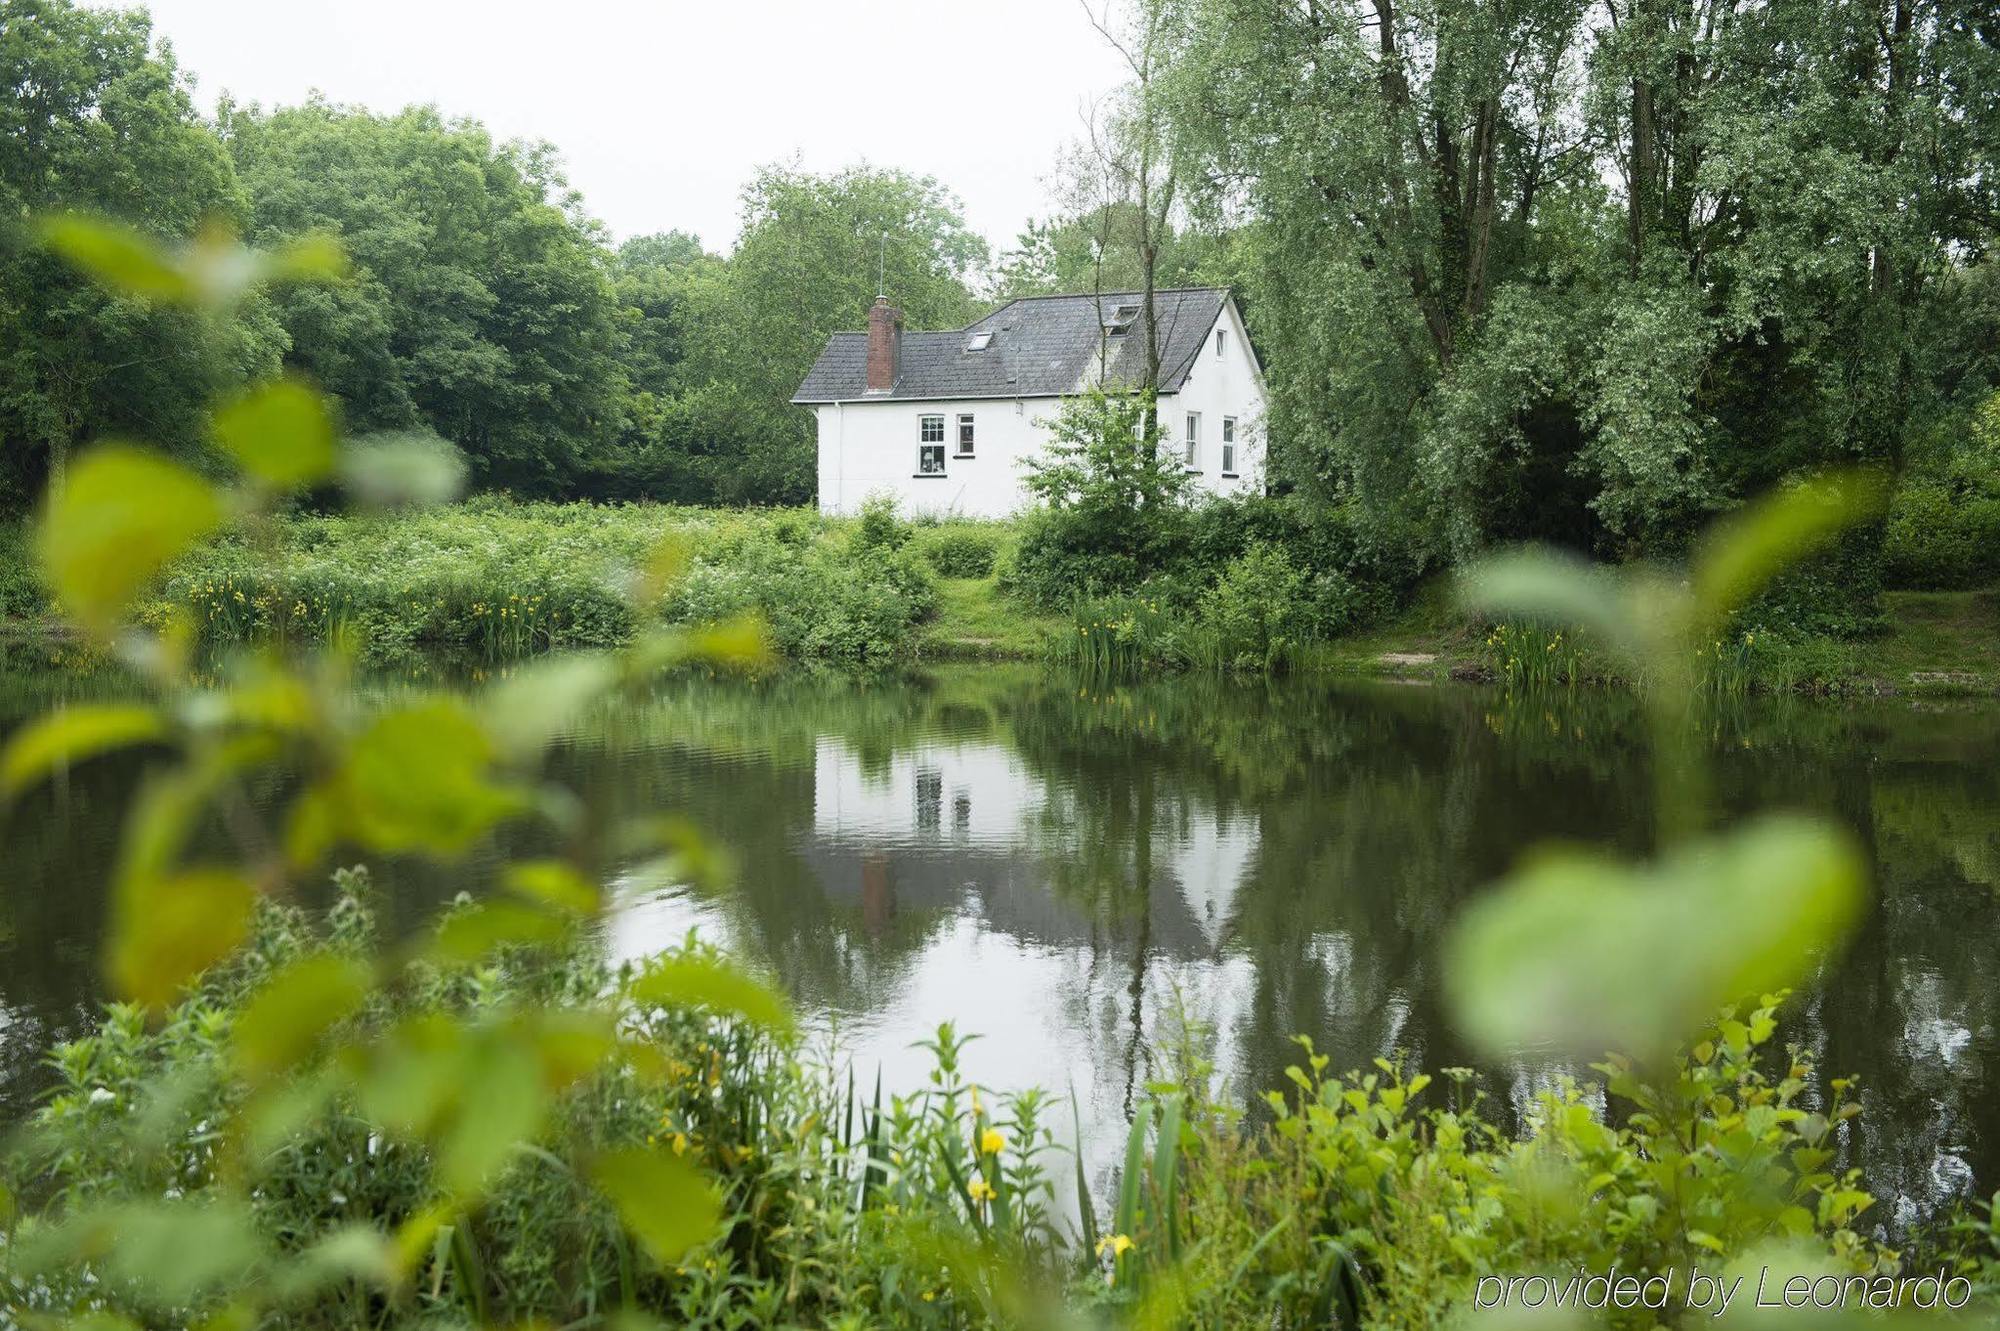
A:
(980, 340)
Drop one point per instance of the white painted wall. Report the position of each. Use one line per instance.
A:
(870, 447)
(1218, 387)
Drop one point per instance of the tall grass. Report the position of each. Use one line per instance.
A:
(1530, 656)
(497, 581)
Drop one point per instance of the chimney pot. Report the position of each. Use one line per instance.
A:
(885, 335)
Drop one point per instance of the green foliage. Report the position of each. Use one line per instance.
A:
(960, 552)
(1113, 501)
(1553, 271)
(463, 250)
(497, 580)
(879, 528)
(1551, 959)
(720, 344)
(99, 119)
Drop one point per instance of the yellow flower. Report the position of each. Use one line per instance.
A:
(930, 1296)
(680, 1143)
(1115, 1244)
(991, 1142)
(981, 1190)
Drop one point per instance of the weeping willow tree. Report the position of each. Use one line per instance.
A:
(1592, 271)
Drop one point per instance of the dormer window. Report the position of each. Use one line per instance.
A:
(980, 341)
(1122, 317)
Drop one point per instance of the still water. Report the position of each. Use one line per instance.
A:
(1072, 872)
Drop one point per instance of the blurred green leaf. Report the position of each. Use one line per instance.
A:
(540, 700)
(554, 884)
(407, 1080)
(666, 563)
(316, 257)
(288, 1014)
(662, 1199)
(1557, 588)
(397, 470)
(120, 516)
(351, 1252)
(166, 930)
(417, 779)
(692, 980)
(1585, 953)
(282, 1110)
(570, 1044)
(1744, 552)
(118, 256)
(70, 735)
(312, 824)
(469, 934)
(499, 1101)
(161, 1254)
(742, 643)
(281, 433)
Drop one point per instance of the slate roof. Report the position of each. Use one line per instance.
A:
(1042, 346)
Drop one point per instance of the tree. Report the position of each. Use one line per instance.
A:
(1589, 271)
(94, 117)
(813, 252)
(482, 306)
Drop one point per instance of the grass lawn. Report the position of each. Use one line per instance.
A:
(976, 621)
(1938, 641)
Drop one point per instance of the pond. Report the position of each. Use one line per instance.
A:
(1074, 872)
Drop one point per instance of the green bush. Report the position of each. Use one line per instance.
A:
(498, 580)
(879, 528)
(960, 552)
(1255, 615)
(21, 593)
(1941, 538)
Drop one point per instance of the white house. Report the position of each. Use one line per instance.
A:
(943, 421)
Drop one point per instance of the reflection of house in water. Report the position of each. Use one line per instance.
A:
(951, 827)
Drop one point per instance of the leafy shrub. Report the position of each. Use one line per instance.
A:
(1940, 538)
(833, 1198)
(21, 593)
(1837, 594)
(855, 606)
(1113, 503)
(878, 527)
(960, 552)
(1254, 616)
(501, 580)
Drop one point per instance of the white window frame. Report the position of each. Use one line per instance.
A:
(1221, 340)
(1191, 444)
(930, 446)
(1228, 445)
(966, 434)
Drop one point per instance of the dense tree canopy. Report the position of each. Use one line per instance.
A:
(1591, 271)
(481, 306)
(812, 254)
(93, 117)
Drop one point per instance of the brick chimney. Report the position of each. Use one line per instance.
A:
(885, 334)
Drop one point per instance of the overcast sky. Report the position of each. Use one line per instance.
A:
(662, 110)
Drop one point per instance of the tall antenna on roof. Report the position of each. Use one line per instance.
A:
(882, 267)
